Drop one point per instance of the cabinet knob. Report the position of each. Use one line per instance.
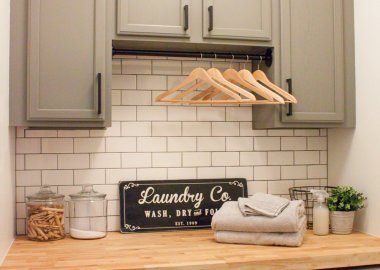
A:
(290, 90)
(211, 18)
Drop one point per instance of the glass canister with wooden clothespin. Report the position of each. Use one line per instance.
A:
(45, 212)
(88, 214)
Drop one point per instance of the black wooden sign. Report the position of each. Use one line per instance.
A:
(175, 204)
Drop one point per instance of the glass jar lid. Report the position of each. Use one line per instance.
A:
(45, 194)
(88, 193)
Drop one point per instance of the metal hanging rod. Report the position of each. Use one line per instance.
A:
(266, 58)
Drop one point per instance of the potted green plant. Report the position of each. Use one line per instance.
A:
(343, 204)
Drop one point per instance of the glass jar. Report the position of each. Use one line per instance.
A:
(45, 213)
(88, 214)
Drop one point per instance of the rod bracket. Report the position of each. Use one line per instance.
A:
(268, 57)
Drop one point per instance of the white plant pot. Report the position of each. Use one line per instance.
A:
(342, 222)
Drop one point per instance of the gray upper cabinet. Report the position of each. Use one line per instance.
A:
(64, 77)
(312, 57)
(238, 19)
(154, 18)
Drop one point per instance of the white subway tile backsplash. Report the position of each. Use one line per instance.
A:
(113, 207)
(105, 160)
(35, 133)
(20, 162)
(280, 158)
(306, 157)
(267, 173)
(136, 97)
(188, 66)
(181, 113)
(266, 143)
(182, 144)
(151, 144)
(136, 160)
(21, 210)
(151, 140)
(28, 145)
(317, 143)
(240, 172)
(92, 176)
(121, 144)
(196, 129)
(239, 114)
(57, 145)
(323, 157)
(73, 161)
(280, 132)
(257, 186)
(57, 177)
(196, 159)
(165, 160)
(166, 129)
(114, 176)
(112, 131)
(306, 132)
(211, 144)
(151, 113)
(149, 82)
(317, 171)
(123, 82)
(293, 172)
(211, 114)
(28, 178)
(225, 129)
(152, 174)
(136, 129)
(116, 66)
(182, 173)
(225, 159)
(280, 187)
(20, 226)
(166, 67)
(73, 133)
(40, 161)
(124, 113)
(132, 66)
(253, 158)
(116, 97)
(239, 144)
(211, 172)
(89, 145)
(293, 143)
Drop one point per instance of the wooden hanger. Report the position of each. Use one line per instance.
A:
(218, 76)
(200, 75)
(261, 90)
(262, 78)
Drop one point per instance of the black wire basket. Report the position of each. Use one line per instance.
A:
(303, 193)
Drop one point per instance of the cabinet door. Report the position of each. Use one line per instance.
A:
(66, 60)
(312, 56)
(154, 18)
(238, 19)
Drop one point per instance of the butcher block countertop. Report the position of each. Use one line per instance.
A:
(191, 250)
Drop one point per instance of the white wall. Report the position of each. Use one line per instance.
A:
(354, 154)
(6, 139)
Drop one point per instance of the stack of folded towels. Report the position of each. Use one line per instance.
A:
(262, 219)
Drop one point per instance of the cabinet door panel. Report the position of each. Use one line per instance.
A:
(240, 19)
(152, 17)
(312, 56)
(66, 43)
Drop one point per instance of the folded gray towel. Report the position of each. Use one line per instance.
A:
(268, 239)
(230, 218)
(262, 204)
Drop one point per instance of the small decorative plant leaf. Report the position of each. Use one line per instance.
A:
(345, 199)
